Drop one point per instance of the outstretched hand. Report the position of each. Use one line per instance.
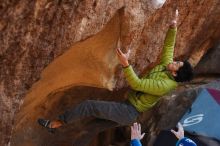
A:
(136, 132)
(180, 132)
(123, 58)
(175, 19)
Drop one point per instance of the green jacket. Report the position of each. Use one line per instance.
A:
(148, 90)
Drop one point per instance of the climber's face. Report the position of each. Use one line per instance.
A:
(174, 67)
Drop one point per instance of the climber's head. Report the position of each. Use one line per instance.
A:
(181, 71)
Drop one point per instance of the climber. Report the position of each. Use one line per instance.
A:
(145, 94)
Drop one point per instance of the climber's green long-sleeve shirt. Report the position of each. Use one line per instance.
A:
(148, 90)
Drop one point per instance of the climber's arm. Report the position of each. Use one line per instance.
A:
(169, 43)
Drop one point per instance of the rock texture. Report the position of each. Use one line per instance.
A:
(209, 63)
(54, 54)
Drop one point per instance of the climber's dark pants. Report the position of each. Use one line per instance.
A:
(122, 113)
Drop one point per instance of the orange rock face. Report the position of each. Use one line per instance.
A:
(54, 54)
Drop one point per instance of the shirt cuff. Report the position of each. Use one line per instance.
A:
(185, 141)
(127, 68)
(135, 142)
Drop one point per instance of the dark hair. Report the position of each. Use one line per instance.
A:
(185, 73)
